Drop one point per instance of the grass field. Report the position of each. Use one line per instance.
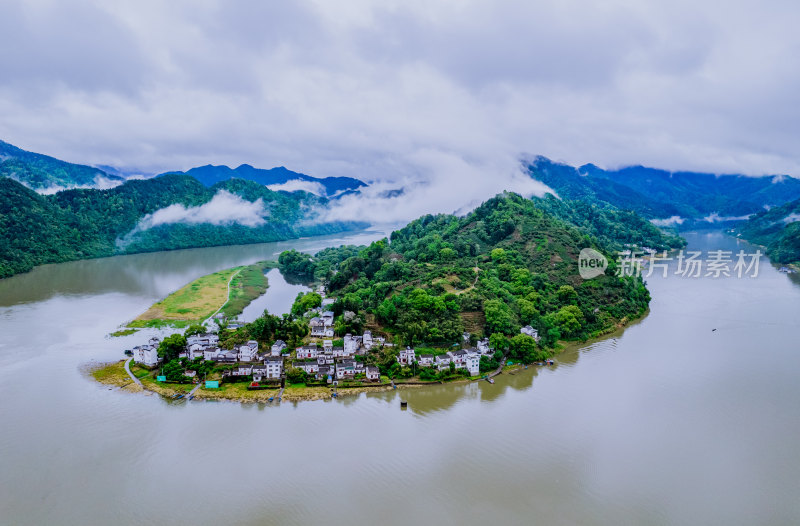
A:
(197, 301)
(246, 286)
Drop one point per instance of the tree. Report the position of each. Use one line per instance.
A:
(499, 317)
(566, 294)
(173, 370)
(296, 376)
(195, 328)
(171, 347)
(523, 348)
(498, 342)
(305, 302)
(568, 320)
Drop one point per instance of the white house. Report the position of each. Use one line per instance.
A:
(277, 347)
(406, 356)
(195, 350)
(242, 370)
(248, 352)
(442, 362)
(210, 353)
(458, 357)
(346, 369)
(327, 346)
(426, 360)
(274, 368)
(530, 331)
(317, 326)
(327, 318)
(307, 351)
(473, 362)
(203, 339)
(483, 346)
(309, 367)
(373, 373)
(327, 302)
(225, 356)
(146, 355)
(340, 352)
(367, 340)
(350, 344)
(259, 372)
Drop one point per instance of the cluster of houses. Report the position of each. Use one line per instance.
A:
(339, 363)
(469, 359)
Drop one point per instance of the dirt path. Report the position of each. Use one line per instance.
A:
(227, 296)
(128, 370)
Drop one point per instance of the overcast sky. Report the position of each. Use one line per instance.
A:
(445, 93)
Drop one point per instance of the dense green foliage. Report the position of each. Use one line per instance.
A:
(76, 224)
(778, 229)
(505, 265)
(171, 346)
(42, 171)
(611, 226)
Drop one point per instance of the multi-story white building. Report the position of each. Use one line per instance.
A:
(406, 356)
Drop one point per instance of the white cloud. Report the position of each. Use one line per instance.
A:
(297, 184)
(100, 183)
(791, 218)
(716, 218)
(670, 221)
(224, 208)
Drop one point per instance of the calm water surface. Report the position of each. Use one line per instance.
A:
(666, 423)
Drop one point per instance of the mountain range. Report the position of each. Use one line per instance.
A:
(682, 197)
(210, 175)
(46, 174)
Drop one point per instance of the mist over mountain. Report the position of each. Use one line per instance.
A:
(684, 198)
(279, 178)
(42, 172)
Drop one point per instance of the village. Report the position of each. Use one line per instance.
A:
(323, 359)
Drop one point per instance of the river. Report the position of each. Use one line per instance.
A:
(668, 422)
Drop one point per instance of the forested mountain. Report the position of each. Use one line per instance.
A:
(41, 171)
(85, 223)
(661, 194)
(778, 229)
(210, 175)
(505, 265)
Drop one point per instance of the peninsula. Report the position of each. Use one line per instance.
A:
(445, 298)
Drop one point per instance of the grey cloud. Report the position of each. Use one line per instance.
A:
(443, 96)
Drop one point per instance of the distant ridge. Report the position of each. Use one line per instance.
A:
(210, 175)
(662, 194)
(42, 172)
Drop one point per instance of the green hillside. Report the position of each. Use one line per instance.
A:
(84, 223)
(505, 265)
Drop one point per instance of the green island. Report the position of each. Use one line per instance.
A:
(444, 299)
(228, 292)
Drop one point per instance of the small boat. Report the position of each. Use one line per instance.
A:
(279, 399)
(403, 403)
(190, 397)
(178, 397)
(270, 399)
(490, 380)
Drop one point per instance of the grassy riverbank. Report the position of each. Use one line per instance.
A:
(203, 297)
